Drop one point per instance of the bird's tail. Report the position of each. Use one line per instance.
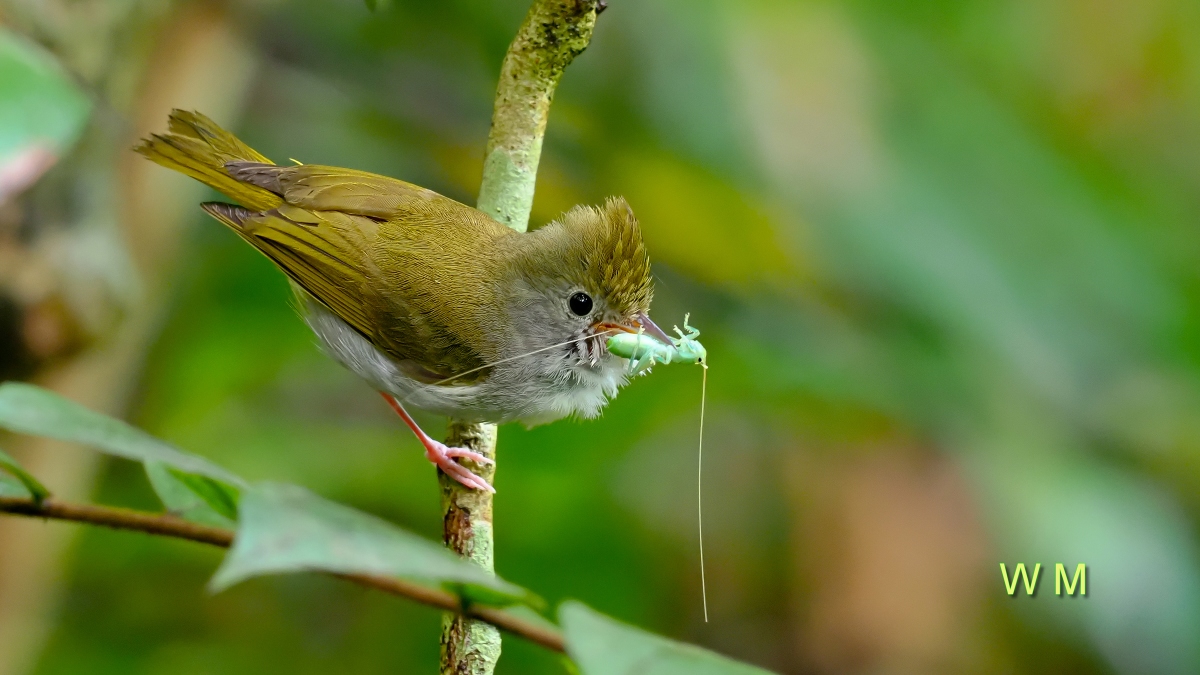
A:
(196, 146)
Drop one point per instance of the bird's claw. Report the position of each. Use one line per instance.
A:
(443, 457)
(469, 454)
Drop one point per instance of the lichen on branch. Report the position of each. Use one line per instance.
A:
(553, 33)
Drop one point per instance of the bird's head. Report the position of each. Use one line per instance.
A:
(584, 275)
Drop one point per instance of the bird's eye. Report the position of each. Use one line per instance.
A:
(581, 303)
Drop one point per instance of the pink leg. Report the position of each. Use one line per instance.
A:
(442, 456)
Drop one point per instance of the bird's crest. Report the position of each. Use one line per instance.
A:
(614, 254)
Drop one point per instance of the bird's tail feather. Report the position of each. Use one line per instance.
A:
(194, 145)
(230, 214)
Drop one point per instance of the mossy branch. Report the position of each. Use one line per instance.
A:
(553, 34)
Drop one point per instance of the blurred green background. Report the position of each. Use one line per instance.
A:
(944, 258)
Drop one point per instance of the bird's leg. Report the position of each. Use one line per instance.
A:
(441, 455)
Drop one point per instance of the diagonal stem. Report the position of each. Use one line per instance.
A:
(170, 526)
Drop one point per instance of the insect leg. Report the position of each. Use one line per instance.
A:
(691, 333)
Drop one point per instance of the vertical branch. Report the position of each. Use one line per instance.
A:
(553, 34)
(469, 646)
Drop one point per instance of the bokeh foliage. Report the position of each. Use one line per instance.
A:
(944, 258)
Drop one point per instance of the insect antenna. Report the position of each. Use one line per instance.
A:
(699, 487)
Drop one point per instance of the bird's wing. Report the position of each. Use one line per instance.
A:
(334, 257)
(328, 188)
(370, 247)
(340, 234)
(321, 251)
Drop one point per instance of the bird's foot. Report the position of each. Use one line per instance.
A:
(443, 457)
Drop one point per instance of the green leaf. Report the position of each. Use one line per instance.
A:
(569, 665)
(196, 498)
(220, 497)
(32, 410)
(11, 487)
(35, 490)
(39, 104)
(285, 528)
(604, 646)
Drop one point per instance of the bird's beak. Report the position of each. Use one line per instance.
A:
(653, 329)
(609, 327)
(641, 323)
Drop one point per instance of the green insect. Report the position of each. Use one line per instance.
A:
(644, 351)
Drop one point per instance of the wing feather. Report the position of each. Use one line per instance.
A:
(324, 257)
(328, 188)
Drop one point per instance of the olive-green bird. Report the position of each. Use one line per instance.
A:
(432, 302)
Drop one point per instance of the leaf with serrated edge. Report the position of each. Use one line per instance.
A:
(181, 500)
(285, 528)
(35, 489)
(32, 410)
(601, 645)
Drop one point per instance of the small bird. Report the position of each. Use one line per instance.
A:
(432, 302)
